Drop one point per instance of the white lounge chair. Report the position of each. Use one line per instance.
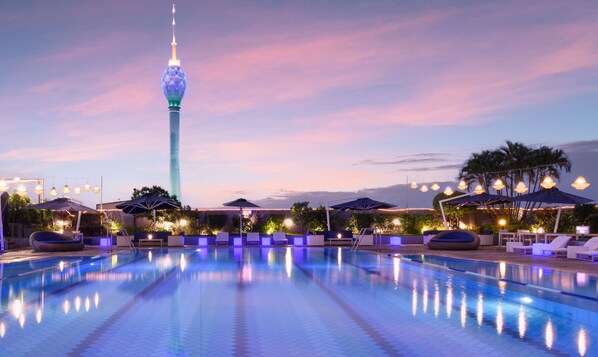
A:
(558, 242)
(253, 237)
(222, 238)
(279, 238)
(588, 250)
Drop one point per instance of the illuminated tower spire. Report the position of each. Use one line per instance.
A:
(174, 84)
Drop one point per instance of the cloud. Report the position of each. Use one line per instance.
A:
(408, 159)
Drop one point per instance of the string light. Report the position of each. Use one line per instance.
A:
(424, 188)
(580, 183)
(53, 192)
(478, 190)
(414, 185)
(498, 185)
(435, 187)
(66, 189)
(448, 191)
(548, 182)
(462, 185)
(521, 187)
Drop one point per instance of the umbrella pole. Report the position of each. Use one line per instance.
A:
(78, 220)
(154, 220)
(558, 218)
(241, 222)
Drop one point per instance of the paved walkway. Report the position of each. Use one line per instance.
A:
(484, 253)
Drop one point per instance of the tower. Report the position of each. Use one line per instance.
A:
(174, 85)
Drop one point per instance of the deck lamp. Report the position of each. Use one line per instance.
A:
(448, 191)
(521, 187)
(462, 185)
(414, 185)
(424, 188)
(502, 223)
(478, 190)
(498, 184)
(435, 187)
(548, 182)
(580, 183)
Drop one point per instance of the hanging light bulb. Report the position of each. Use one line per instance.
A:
(3, 186)
(21, 191)
(448, 191)
(77, 190)
(414, 185)
(462, 185)
(38, 189)
(498, 185)
(580, 183)
(87, 187)
(435, 187)
(53, 191)
(96, 189)
(478, 190)
(66, 189)
(521, 187)
(424, 188)
(548, 182)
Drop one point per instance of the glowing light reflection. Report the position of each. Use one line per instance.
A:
(17, 308)
(521, 322)
(2, 330)
(22, 320)
(582, 342)
(396, 265)
(114, 260)
(436, 299)
(425, 299)
(288, 261)
(149, 256)
(96, 300)
(449, 300)
(183, 263)
(500, 321)
(87, 304)
(61, 265)
(340, 258)
(502, 269)
(38, 316)
(480, 309)
(66, 306)
(540, 273)
(77, 303)
(414, 298)
(549, 335)
(463, 309)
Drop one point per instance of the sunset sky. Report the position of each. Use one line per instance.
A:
(293, 100)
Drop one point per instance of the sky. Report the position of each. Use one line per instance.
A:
(293, 100)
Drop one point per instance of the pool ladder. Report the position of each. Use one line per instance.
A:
(362, 233)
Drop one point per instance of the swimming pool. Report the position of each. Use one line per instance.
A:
(280, 301)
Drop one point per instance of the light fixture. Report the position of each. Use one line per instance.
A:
(183, 222)
(87, 187)
(96, 189)
(21, 191)
(521, 187)
(288, 222)
(448, 191)
(502, 223)
(462, 185)
(38, 189)
(478, 190)
(66, 189)
(548, 182)
(16, 179)
(580, 183)
(53, 191)
(414, 185)
(396, 222)
(435, 187)
(3, 186)
(424, 188)
(498, 185)
(77, 190)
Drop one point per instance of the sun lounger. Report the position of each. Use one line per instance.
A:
(279, 238)
(557, 243)
(222, 238)
(253, 237)
(588, 250)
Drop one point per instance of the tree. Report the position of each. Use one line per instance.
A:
(302, 215)
(154, 190)
(512, 163)
(453, 214)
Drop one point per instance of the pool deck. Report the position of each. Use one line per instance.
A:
(484, 253)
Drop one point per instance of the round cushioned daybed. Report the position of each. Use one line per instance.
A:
(53, 242)
(454, 240)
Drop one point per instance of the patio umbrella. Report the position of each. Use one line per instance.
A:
(484, 199)
(360, 204)
(147, 203)
(553, 195)
(241, 203)
(64, 204)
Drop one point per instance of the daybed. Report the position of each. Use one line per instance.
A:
(54, 242)
(454, 240)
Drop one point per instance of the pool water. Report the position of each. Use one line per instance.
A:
(280, 301)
